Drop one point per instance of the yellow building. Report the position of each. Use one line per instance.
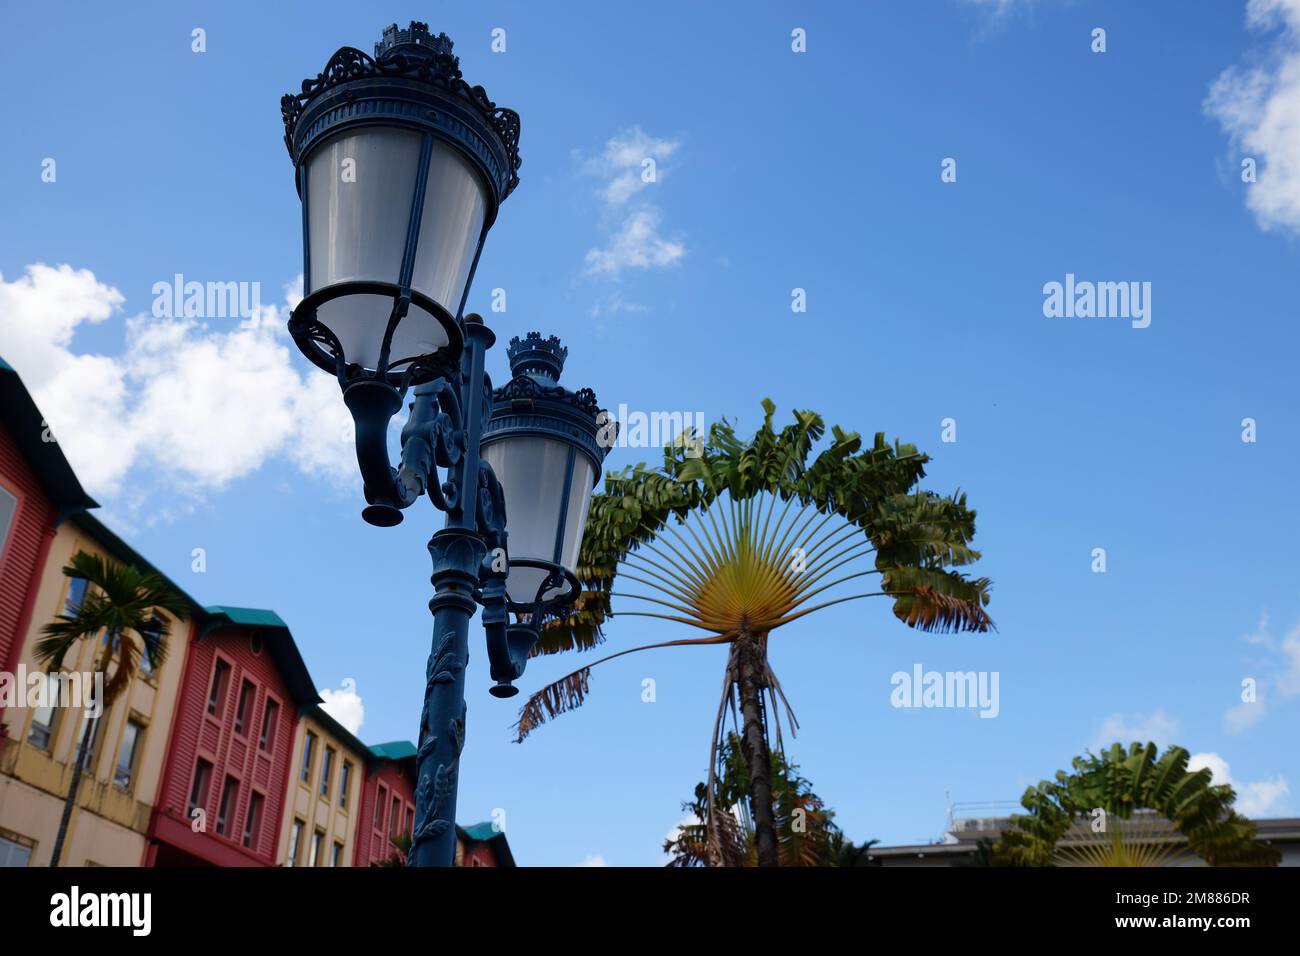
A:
(125, 762)
(324, 799)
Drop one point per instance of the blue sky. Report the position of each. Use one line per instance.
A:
(776, 170)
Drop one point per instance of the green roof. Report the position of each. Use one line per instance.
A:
(394, 750)
(488, 833)
(247, 616)
(401, 752)
(481, 832)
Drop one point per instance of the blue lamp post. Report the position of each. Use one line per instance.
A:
(401, 167)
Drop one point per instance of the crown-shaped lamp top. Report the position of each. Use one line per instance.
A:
(534, 355)
(415, 40)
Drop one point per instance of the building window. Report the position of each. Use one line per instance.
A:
(343, 784)
(253, 822)
(267, 740)
(91, 724)
(199, 790)
(338, 855)
(8, 508)
(380, 802)
(153, 631)
(410, 820)
(13, 853)
(395, 818)
(317, 845)
(247, 692)
(308, 753)
(326, 771)
(42, 726)
(229, 798)
(76, 594)
(125, 769)
(295, 842)
(217, 696)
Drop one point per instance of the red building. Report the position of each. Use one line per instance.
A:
(387, 802)
(38, 490)
(388, 810)
(222, 795)
(482, 845)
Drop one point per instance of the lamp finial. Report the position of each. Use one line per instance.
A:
(534, 355)
(414, 40)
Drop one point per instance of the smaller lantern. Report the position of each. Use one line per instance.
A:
(542, 444)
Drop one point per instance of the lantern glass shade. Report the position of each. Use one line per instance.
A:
(535, 477)
(360, 192)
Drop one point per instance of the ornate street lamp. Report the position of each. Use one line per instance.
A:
(543, 442)
(401, 167)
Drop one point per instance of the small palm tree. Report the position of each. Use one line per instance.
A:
(844, 852)
(401, 845)
(739, 538)
(121, 609)
(1125, 808)
(806, 831)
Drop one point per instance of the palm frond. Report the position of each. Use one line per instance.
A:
(555, 698)
(568, 693)
(940, 601)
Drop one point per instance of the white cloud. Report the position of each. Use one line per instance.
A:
(998, 7)
(344, 705)
(1253, 799)
(1124, 730)
(637, 244)
(635, 239)
(622, 163)
(593, 859)
(1218, 766)
(1258, 106)
(1243, 716)
(198, 403)
(1261, 796)
(613, 304)
(1278, 671)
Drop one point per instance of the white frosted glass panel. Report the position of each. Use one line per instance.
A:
(450, 224)
(576, 518)
(531, 471)
(359, 322)
(417, 334)
(357, 229)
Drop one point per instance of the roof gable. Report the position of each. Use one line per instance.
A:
(278, 639)
(45, 458)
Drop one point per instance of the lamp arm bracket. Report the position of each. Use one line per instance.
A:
(431, 438)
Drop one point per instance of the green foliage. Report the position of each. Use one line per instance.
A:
(401, 845)
(1121, 783)
(122, 603)
(733, 572)
(806, 831)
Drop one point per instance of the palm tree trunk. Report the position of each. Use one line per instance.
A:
(86, 739)
(71, 800)
(758, 759)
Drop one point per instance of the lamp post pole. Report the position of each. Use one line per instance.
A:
(458, 553)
